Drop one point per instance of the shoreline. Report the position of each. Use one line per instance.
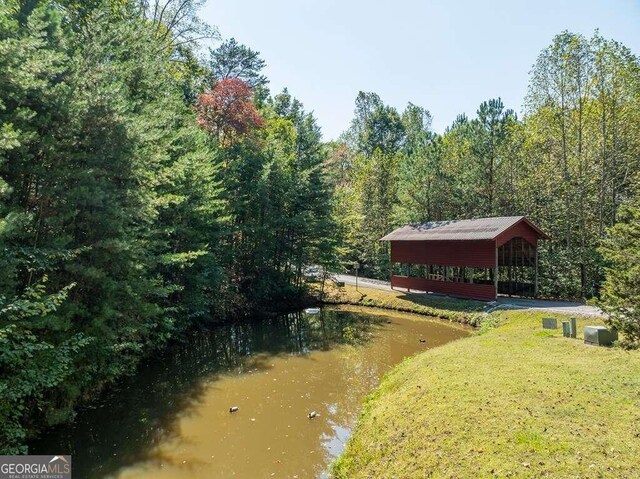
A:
(467, 312)
(510, 400)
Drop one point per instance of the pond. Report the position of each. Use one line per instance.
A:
(172, 418)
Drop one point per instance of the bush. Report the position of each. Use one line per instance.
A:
(31, 368)
(621, 290)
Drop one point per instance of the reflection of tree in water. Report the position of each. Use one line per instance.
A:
(360, 373)
(121, 427)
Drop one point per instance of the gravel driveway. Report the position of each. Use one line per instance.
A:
(566, 307)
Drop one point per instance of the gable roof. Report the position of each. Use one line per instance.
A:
(466, 230)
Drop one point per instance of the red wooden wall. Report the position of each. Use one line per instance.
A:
(484, 292)
(477, 254)
(521, 229)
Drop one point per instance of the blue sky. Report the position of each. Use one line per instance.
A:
(447, 56)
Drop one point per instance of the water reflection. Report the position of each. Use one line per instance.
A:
(172, 418)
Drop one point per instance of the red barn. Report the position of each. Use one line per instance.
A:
(475, 259)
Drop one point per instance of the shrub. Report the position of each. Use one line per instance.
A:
(621, 289)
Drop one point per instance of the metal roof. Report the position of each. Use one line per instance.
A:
(467, 230)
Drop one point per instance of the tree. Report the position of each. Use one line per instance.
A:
(234, 60)
(416, 122)
(176, 22)
(579, 88)
(31, 365)
(616, 75)
(424, 188)
(621, 289)
(375, 190)
(567, 164)
(491, 130)
(375, 126)
(228, 111)
(108, 184)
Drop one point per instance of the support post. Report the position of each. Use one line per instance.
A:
(357, 264)
(510, 266)
(535, 281)
(495, 272)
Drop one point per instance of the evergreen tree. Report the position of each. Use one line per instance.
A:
(621, 290)
(107, 184)
(234, 60)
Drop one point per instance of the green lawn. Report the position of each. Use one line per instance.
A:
(516, 401)
(464, 311)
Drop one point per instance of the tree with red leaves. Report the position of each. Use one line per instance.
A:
(228, 111)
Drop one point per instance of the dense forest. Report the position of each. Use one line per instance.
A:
(150, 182)
(147, 186)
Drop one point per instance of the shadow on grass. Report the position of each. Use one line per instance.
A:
(443, 302)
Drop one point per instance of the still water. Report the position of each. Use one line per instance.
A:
(171, 420)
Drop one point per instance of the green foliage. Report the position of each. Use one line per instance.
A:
(375, 126)
(376, 185)
(234, 60)
(621, 290)
(33, 362)
(567, 164)
(580, 149)
(280, 204)
(107, 182)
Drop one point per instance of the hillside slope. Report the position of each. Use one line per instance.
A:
(514, 402)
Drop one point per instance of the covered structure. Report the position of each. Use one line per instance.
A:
(476, 259)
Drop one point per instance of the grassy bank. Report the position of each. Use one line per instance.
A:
(457, 310)
(514, 402)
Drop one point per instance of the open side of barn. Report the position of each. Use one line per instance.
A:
(476, 259)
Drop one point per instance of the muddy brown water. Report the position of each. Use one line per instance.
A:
(171, 420)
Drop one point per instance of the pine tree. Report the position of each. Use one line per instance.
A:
(621, 289)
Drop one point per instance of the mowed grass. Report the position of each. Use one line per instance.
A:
(516, 401)
(458, 310)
